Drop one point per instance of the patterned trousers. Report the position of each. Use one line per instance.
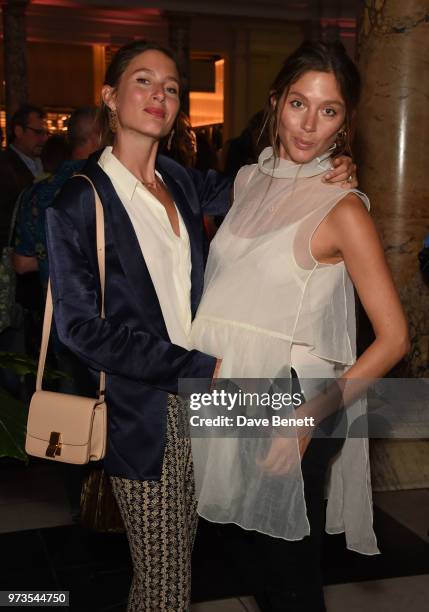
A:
(160, 519)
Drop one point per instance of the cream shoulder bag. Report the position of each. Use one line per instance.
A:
(60, 426)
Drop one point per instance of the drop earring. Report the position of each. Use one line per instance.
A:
(170, 140)
(113, 121)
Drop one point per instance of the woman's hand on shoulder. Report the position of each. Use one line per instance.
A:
(343, 172)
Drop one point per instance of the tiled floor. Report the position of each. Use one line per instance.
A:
(32, 498)
(227, 605)
(406, 594)
(410, 508)
(42, 548)
(410, 593)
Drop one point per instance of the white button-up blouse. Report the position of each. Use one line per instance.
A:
(167, 256)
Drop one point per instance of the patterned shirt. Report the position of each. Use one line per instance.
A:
(30, 238)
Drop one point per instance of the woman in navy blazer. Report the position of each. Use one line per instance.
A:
(149, 462)
(132, 343)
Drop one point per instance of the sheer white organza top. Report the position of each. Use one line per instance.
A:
(264, 294)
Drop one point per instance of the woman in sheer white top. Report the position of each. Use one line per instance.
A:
(279, 303)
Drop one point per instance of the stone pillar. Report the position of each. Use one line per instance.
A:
(178, 40)
(393, 157)
(393, 151)
(15, 60)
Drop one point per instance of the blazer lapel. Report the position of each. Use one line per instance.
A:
(125, 239)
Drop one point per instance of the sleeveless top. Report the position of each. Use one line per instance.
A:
(264, 293)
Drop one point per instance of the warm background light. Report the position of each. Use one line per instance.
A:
(207, 108)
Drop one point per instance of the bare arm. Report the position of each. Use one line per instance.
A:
(349, 233)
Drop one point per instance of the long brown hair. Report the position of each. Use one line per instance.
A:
(320, 57)
(116, 69)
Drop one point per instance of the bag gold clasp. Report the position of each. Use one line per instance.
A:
(54, 447)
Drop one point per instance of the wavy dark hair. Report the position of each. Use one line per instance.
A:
(320, 57)
(116, 69)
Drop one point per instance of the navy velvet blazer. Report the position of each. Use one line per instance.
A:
(132, 344)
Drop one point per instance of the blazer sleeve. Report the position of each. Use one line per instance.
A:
(115, 348)
(214, 191)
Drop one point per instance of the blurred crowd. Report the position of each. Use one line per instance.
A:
(33, 168)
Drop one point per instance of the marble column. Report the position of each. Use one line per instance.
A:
(178, 40)
(15, 60)
(393, 156)
(393, 149)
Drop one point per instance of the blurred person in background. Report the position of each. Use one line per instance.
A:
(29, 258)
(206, 152)
(29, 291)
(20, 163)
(30, 240)
(181, 144)
(245, 148)
(55, 151)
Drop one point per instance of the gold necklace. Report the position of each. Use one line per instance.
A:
(151, 184)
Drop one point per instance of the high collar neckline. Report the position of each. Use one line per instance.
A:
(284, 168)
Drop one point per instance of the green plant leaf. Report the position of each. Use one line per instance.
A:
(13, 427)
(21, 364)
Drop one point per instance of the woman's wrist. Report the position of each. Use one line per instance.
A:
(324, 404)
(216, 372)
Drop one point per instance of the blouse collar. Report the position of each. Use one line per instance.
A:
(120, 173)
(283, 168)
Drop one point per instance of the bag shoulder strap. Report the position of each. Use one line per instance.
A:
(47, 320)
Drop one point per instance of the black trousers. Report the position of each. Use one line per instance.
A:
(292, 575)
